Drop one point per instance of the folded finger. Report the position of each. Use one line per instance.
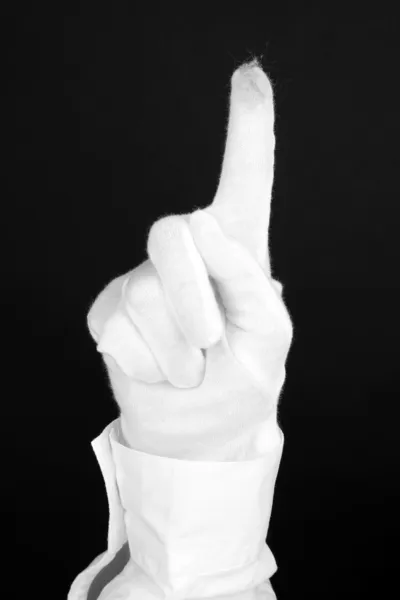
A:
(250, 300)
(147, 306)
(185, 281)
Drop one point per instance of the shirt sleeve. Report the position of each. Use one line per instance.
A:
(196, 529)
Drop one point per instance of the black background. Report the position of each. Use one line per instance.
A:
(120, 117)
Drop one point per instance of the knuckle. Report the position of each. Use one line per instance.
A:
(164, 229)
(288, 332)
(104, 306)
(278, 286)
(284, 323)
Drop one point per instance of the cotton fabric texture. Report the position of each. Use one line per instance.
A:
(195, 529)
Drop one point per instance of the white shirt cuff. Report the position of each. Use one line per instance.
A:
(196, 528)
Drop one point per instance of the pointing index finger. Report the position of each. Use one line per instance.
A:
(243, 198)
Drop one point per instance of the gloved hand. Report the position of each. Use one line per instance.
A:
(195, 339)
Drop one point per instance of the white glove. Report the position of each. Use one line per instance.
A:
(195, 339)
